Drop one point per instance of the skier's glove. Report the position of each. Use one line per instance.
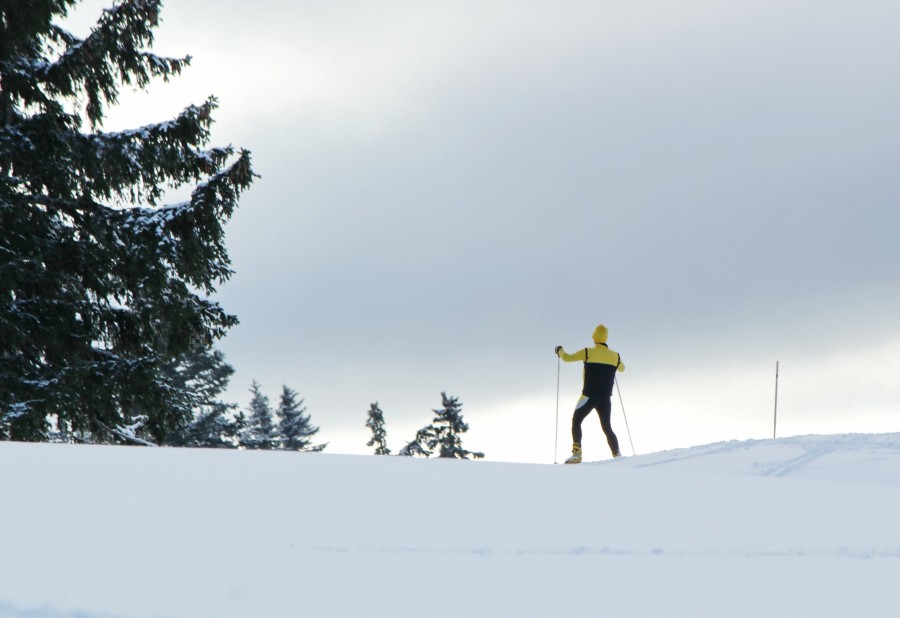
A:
(558, 348)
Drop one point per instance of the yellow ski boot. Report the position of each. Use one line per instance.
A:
(576, 454)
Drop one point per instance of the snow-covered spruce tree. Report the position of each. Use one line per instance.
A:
(419, 444)
(260, 431)
(375, 422)
(295, 425)
(202, 375)
(448, 429)
(102, 285)
(212, 427)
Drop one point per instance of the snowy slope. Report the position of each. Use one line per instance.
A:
(804, 526)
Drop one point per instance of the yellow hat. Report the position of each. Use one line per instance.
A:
(600, 334)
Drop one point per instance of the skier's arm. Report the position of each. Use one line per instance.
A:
(580, 355)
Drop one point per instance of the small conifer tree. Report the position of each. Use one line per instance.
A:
(419, 444)
(379, 433)
(202, 375)
(260, 432)
(295, 424)
(213, 427)
(448, 429)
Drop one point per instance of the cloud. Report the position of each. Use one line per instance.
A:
(450, 189)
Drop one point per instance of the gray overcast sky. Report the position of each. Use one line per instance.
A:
(450, 189)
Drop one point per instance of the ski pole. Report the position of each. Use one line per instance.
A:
(556, 426)
(624, 416)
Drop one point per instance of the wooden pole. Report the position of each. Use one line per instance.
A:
(775, 424)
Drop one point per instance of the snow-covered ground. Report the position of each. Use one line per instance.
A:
(804, 526)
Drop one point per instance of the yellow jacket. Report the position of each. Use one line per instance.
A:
(600, 364)
(598, 354)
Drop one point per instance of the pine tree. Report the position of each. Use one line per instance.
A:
(419, 444)
(212, 427)
(240, 425)
(379, 434)
(295, 425)
(448, 429)
(102, 284)
(202, 375)
(260, 432)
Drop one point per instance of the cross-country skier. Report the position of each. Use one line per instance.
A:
(600, 366)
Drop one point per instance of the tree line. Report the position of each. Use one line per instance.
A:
(107, 322)
(442, 436)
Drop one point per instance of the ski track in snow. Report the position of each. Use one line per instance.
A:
(841, 552)
(10, 611)
(813, 449)
(795, 465)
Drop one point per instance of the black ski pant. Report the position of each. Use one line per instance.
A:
(603, 405)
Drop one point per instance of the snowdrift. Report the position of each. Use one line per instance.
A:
(803, 526)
